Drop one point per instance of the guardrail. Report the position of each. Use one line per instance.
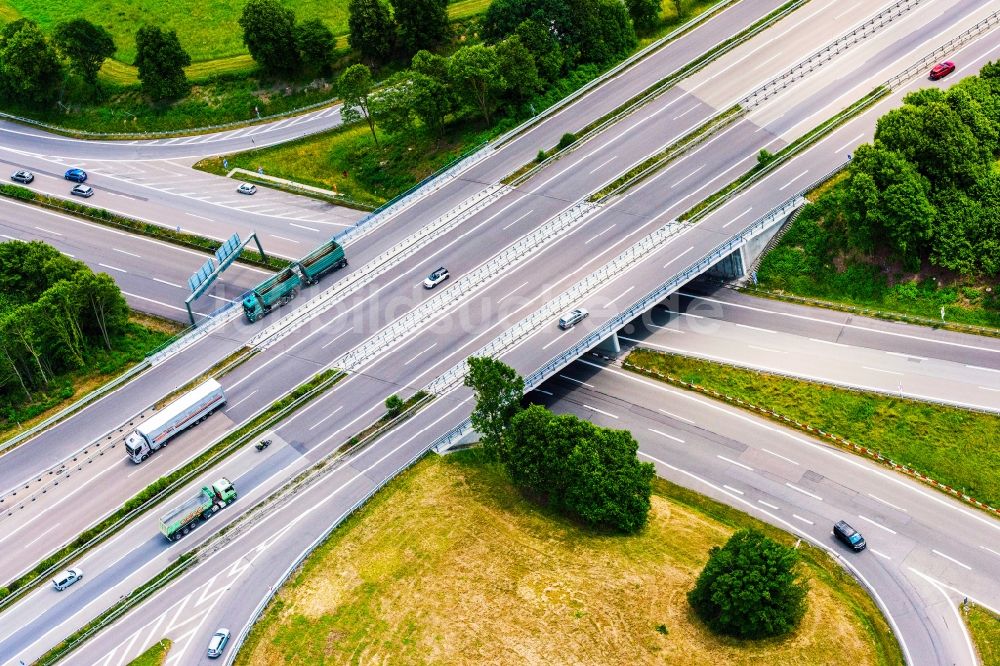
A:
(978, 29)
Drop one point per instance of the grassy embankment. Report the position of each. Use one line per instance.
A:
(872, 282)
(347, 162)
(145, 333)
(449, 564)
(984, 627)
(956, 447)
(154, 656)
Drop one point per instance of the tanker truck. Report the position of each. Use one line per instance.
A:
(184, 518)
(192, 407)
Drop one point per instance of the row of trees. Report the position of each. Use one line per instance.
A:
(378, 29)
(573, 466)
(56, 312)
(927, 188)
(279, 44)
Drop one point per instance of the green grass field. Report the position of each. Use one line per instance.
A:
(449, 564)
(957, 447)
(154, 656)
(984, 627)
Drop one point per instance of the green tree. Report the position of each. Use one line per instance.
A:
(315, 43)
(750, 588)
(392, 104)
(422, 23)
(615, 33)
(394, 404)
(30, 70)
(516, 61)
(355, 87)
(609, 486)
(498, 390)
(432, 96)
(269, 35)
(477, 78)
(161, 60)
(372, 29)
(536, 448)
(86, 46)
(543, 47)
(645, 14)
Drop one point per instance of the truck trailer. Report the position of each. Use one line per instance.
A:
(192, 407)
(281, 288)
(184, 518)
(272, 292)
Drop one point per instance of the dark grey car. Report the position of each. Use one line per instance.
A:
(848, 535)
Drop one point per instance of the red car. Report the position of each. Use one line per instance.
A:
(942, 69)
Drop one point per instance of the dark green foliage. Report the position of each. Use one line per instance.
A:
(543, 47)
(566, 140)
(269, 35)
(355, 87)
(432, 95)
(315, 43)
(161, 62)
(749, 588)
(58, 317)
(645, 14)
(590, 473)
(30, 70)
(765, 157)
(475, 73)
(394, 404)
(540, 157)
(498, 390)
(86, 46)
(423, 24)
(372, 29)
(926, 188)
(521, 79)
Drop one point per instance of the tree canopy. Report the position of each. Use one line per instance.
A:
(86, 46)
(315, 43)
(422, 23)
(372, 29)
(269, 35)
(30, 69)
(161, 60)
(498, 390)
(355, 87)
(750, 588)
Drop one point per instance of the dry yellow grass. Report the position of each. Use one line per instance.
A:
(450, 565)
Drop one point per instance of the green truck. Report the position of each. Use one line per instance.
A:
(184, 518)
(272, 292)
(281, 288)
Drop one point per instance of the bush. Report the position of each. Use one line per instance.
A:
(749, 588)
(566, 140)
(393, 404)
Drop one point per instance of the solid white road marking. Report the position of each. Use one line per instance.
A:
(318, 423)
(979, 367)
(793, 180)
(678, 256)
(879, 499)
(417, 355)
(337, 338)
(676, 439)
(803, 491)
(778, 455)
(241, 401)
(599, 234)
(555, 339)
(888, 372)
(577, 381)
(681, 418)
(603, 164)
(609, 303)
(518, 219)
(511, 292)
(880, 525)
(738, 464)
(599, 411)
(768, 505)
(739, 492)
(949, 557)
(852, 142)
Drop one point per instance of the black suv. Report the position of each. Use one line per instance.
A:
(848, 535)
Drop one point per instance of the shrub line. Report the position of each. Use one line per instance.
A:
(115, 221)
(805, 427)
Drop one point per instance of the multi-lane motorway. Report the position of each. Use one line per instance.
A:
(465, 325)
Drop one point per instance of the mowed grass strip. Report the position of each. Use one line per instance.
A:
(984, 627)
(154, 656)
(956, 447)
(449, 564)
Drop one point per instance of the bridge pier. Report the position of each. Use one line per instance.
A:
(610, 345)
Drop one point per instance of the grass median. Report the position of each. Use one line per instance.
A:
(449, 563)
(984, 627)
(957, 447)
(154, 656)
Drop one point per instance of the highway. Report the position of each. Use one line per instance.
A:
(409, 364)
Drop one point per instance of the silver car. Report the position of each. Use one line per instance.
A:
(82, 190)
(67, 578)
(246, 188)
(217, 645)
(22, 176)
(572, 318)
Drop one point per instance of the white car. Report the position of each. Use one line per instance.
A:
(218, 643)
(246, 188)
(436, 278)
(572, 318)
(67, 578)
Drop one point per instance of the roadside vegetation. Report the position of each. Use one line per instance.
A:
(219, 63)
(984, 627)
(63, 331)
(913, 225)
(450, 562)
(957, 447)
(154, 656)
